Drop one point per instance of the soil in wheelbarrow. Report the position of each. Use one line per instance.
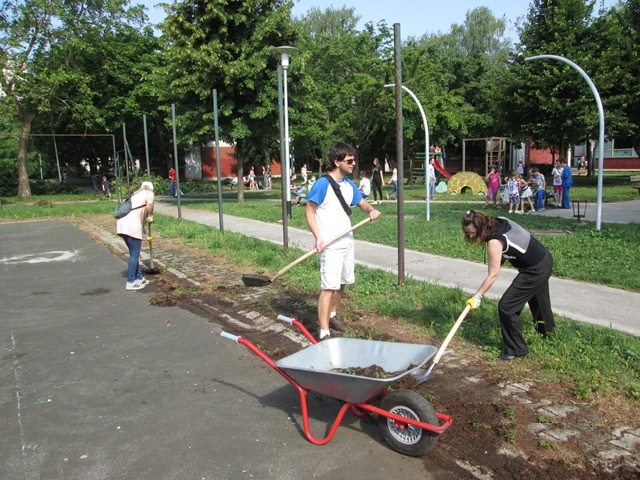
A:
(506, 425)
(376, 371)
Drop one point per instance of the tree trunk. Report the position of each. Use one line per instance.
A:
(24, 189)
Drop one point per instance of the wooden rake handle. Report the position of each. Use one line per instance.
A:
(453, 331)
(313, 252)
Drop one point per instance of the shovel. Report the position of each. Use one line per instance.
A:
(256, 280)
(152, 270)
(421, 375)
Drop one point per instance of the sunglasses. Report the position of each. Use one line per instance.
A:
(351, 161)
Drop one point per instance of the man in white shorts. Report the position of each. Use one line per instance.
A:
(327, 217)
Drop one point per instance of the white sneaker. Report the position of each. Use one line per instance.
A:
(144, 281)
(134, 286)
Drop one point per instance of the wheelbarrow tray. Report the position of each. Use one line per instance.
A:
(313, 367)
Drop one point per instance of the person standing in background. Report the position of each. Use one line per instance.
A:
(567, 183)
(377, 180)
(431, 177)
(173, 178)
(493, 187)
(365, 185)
(394, 182)
(557, 184)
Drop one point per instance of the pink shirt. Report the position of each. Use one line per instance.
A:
(132, 224)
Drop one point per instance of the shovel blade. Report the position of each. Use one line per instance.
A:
(421, 375)
(255, 280)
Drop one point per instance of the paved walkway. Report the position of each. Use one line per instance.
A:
(595, 304)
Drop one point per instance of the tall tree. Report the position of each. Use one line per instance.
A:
(38, 40)
(547, 101)
(617, 70)
(225, 45)
(340, 79)
(465, 66)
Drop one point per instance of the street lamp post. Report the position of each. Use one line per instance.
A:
(426, 143)
(601, 132)
(284, 52)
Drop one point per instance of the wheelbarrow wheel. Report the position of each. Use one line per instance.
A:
(403, 438)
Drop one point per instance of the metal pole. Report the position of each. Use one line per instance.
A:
(601, 130)
(55, 148)
(146, 146)
(397, 59)
(126, 162)
(218, 169)
(285, 214)
(175, 158)
(426, 142)
(286, 142)
(115, 162)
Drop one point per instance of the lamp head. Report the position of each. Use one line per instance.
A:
(284, 52)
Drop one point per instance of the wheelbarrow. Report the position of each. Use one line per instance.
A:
(407, 421)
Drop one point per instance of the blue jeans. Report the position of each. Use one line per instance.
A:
(134, 245)
(394, 190)
(539, 200)
(566, 197)
(172, 189)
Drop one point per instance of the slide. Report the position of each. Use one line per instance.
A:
(441, 169)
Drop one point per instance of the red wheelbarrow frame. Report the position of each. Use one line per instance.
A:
(359, 409)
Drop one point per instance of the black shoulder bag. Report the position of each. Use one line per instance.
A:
(338, 192)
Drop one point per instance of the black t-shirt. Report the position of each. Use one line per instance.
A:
(518, 246)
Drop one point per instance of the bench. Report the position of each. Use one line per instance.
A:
(635, 182)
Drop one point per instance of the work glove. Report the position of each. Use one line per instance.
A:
(475, 301)
(149, 219)
(149, 238)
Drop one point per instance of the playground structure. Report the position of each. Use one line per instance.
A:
(462, 181)
(494, 156)
(495, 152)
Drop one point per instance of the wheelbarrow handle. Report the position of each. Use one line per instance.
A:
(284, 319)
(229, 336)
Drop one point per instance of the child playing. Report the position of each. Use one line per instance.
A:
(493, 182)
(514, 191)
(525, 194)
(540, 191)
(106, 187)
(365, 185)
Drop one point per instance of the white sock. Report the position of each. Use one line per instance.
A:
(332, 314)
(325, 333)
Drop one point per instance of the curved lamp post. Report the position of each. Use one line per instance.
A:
(601, 132)
(426, 144)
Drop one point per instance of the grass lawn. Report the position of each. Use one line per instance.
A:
(593, 362)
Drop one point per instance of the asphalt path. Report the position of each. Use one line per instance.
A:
(95, 383)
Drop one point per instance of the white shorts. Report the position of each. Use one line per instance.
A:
(337, 267)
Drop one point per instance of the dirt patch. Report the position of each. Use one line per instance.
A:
(505, 427)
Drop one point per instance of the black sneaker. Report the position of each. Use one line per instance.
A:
(337, 325)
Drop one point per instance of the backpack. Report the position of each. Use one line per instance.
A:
(123, 209)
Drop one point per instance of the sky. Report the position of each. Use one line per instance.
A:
(416, 17)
